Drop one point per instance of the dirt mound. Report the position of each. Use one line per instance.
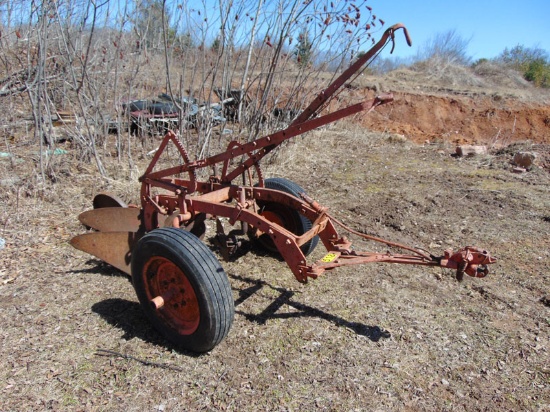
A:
(462, 119)
(487, 104)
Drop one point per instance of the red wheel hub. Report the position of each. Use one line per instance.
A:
(273, 217)
(172, 295)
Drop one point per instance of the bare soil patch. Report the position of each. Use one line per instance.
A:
(463, 119)
(489, 106)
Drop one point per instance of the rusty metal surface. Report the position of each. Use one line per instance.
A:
(470, 260)
(105, 199)
(112, 219)
(113, 248)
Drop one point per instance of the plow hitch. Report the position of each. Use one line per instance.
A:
(179, 281)
(470, 260)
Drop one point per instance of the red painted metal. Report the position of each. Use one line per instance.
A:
(168, 288)
(167, 200)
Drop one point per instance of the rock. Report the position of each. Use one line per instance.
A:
(525, 159)
(469, 150)
(519, 170)
(397, 138)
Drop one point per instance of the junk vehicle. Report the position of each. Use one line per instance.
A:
(164, 112)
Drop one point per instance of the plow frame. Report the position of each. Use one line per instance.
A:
(179, 281)
(191, 198)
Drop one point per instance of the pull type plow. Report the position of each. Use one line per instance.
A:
(178, 280)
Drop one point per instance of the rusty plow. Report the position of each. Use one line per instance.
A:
(179, 282)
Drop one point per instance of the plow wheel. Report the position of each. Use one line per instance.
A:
(284, 216)
(182, 288)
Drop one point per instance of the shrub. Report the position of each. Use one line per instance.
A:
(533, 63)
(538, 72)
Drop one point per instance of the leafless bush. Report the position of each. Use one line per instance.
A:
(87, 58)
(448, 48)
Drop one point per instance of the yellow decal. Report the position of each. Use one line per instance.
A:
(329, 257)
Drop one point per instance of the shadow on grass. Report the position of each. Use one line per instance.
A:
(128, 316)
(102, 268)
(374, 333)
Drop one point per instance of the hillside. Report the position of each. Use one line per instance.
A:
(487, 105)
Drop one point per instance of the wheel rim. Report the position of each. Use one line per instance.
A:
(273, 217)
(180, 307)
(281, 216)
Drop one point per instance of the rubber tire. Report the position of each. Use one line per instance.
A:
(206, 276)
(298, 224)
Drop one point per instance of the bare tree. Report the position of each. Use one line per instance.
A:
(448, 47)
(90, 56)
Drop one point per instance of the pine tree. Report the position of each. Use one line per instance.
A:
(303, 50)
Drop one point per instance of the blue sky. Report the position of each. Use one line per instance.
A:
(492, 25)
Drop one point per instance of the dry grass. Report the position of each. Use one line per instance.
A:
(485, 79)
(375, 337)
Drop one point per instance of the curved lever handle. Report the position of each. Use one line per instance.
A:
(407, 37)
(390, 33)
